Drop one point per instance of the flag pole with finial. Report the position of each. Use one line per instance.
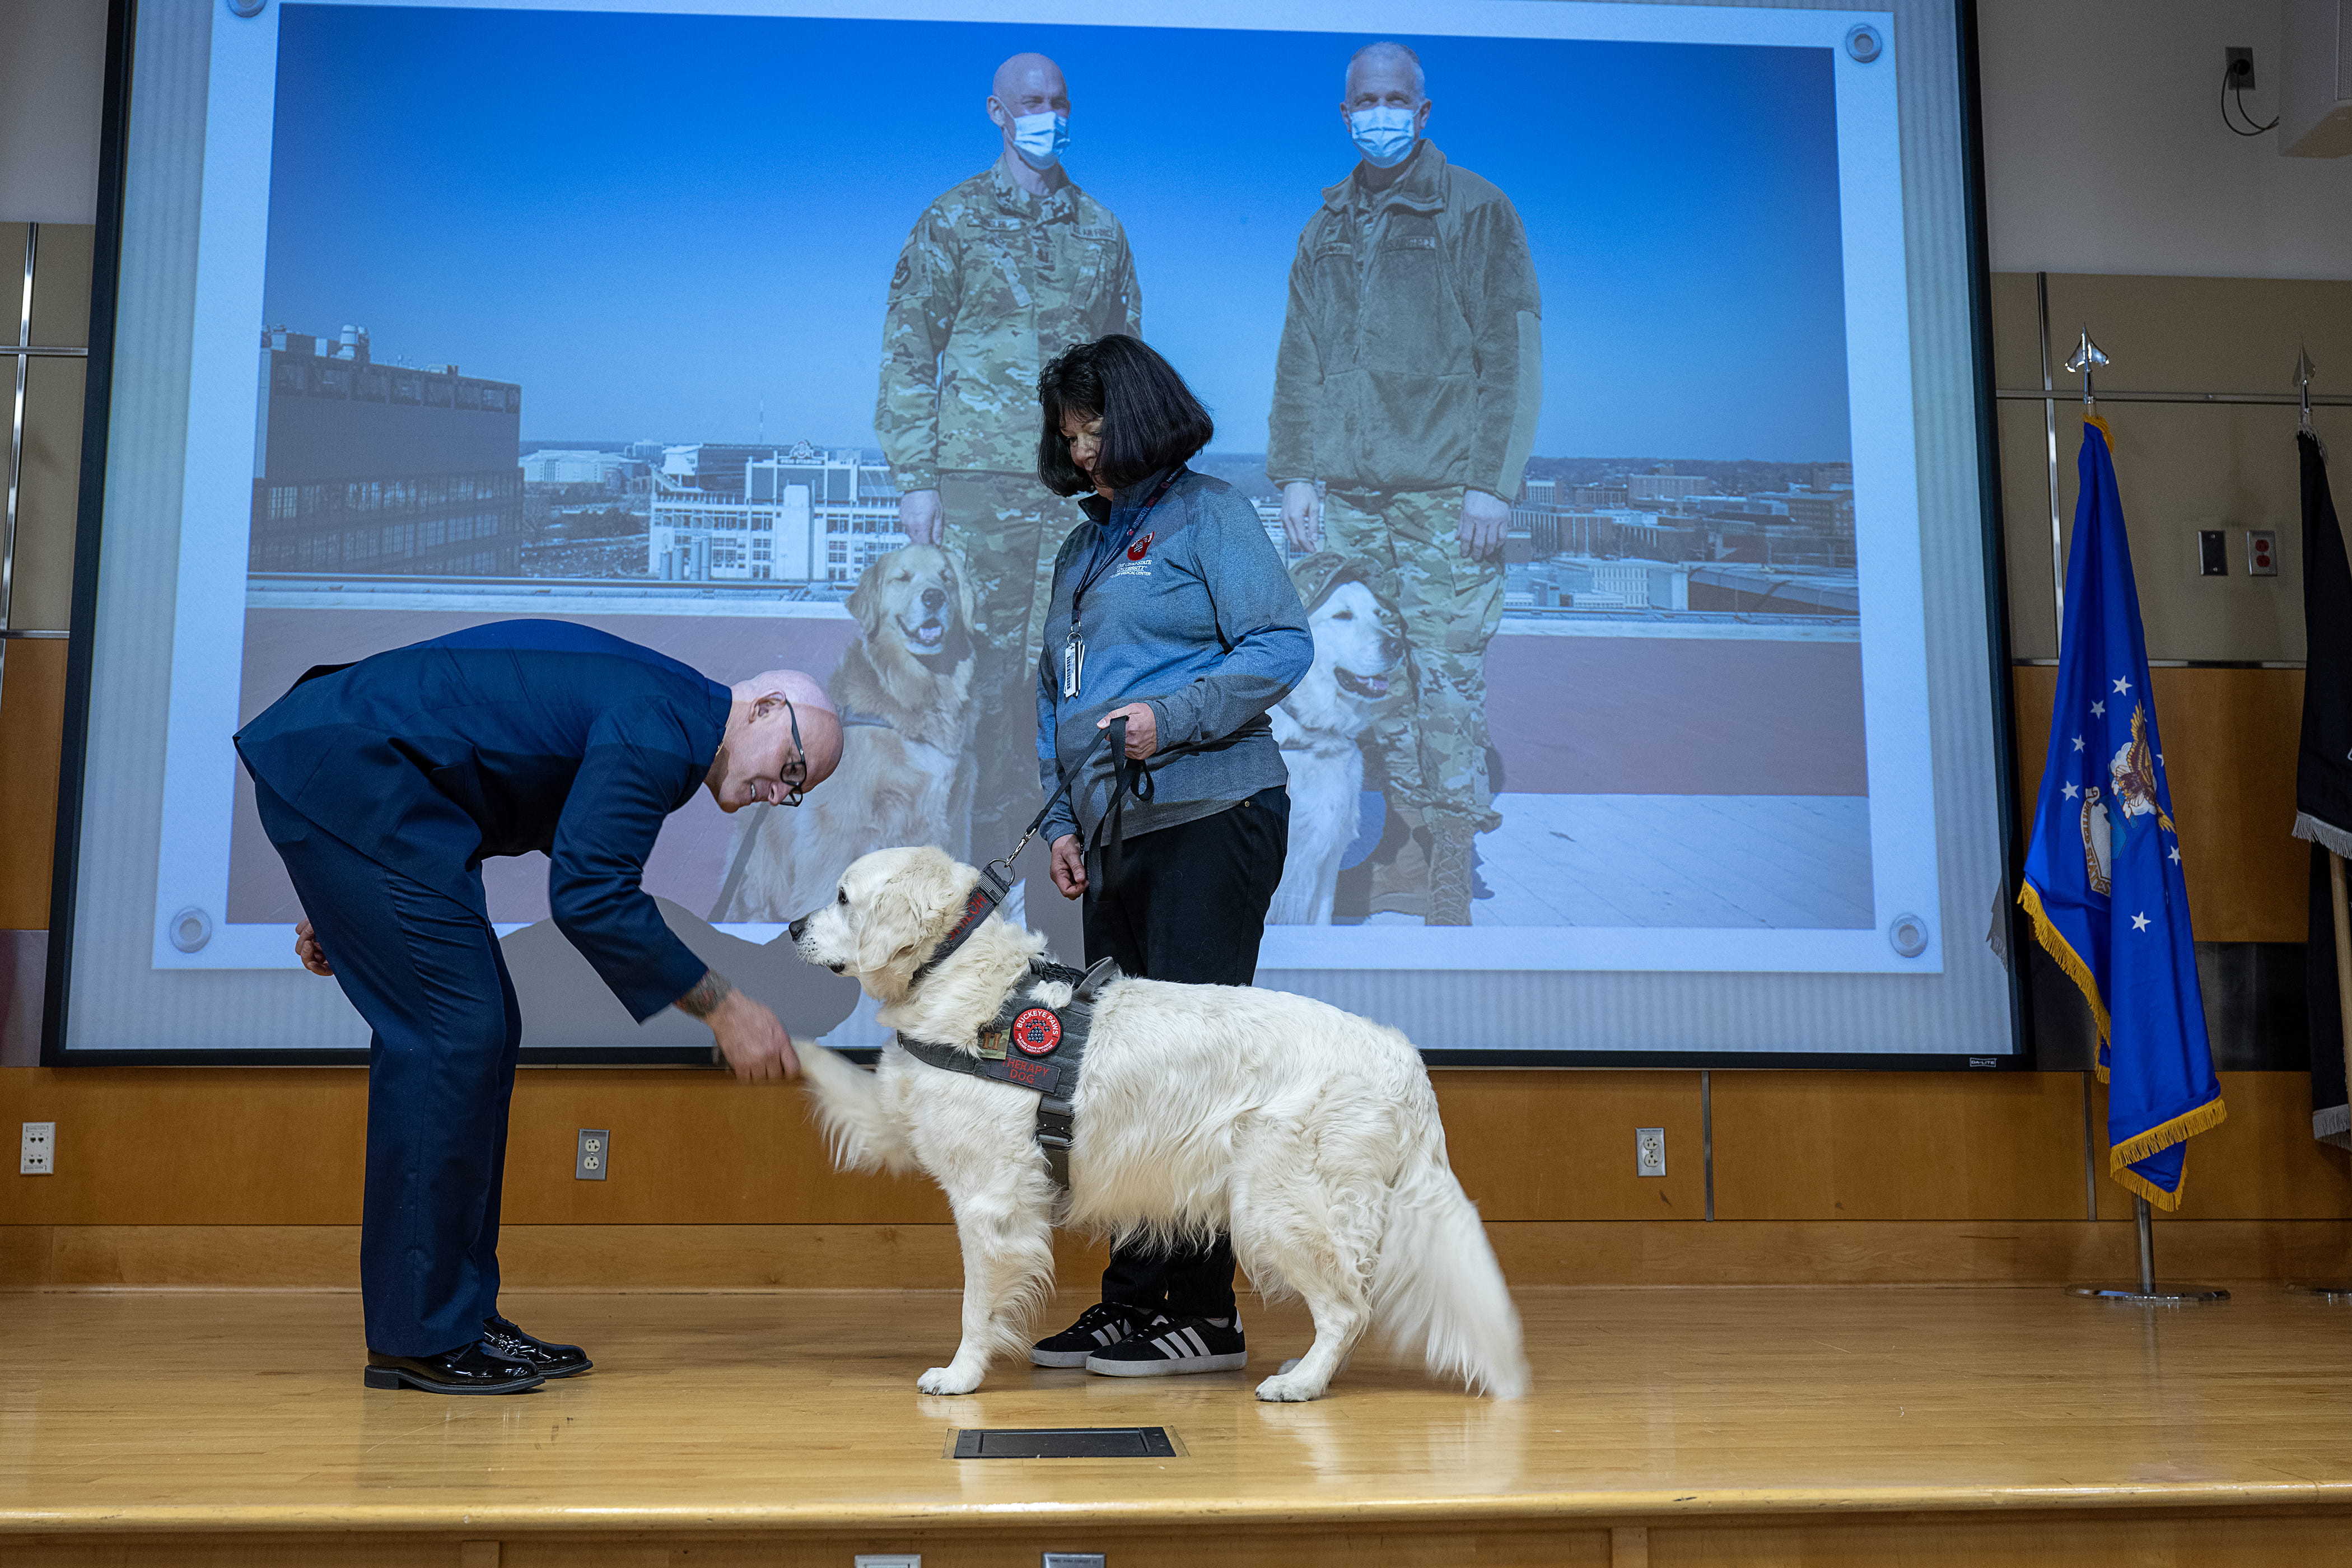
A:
(2084, 361)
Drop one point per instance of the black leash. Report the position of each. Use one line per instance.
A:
(1129, 776)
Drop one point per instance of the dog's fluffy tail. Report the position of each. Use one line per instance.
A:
(849, 1107)
(1436, 1285)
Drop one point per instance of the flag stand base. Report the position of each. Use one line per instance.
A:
(2147, 1292)
(2152, 1294)
(2335, 1291)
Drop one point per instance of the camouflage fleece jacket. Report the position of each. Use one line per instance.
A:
(1411, 353)
(992, 283)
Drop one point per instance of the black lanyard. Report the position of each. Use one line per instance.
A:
(1089, 578)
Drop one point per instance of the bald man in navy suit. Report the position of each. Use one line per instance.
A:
(384, 784)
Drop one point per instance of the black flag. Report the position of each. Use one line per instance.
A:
(2323, 778)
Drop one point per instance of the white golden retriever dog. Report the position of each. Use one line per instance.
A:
(1311, 1135)
(1355, 656)
(904, 692)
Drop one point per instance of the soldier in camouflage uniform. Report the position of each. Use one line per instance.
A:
(1408, 383)
(1000, 274)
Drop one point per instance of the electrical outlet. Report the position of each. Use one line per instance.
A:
(40, 1156)
(2237, 66)
(2212, 553)
(888, 1560)
(595, 1154)
(2261, 552)
(1649, 1151)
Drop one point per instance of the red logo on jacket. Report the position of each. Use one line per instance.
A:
(1140, 548)
(1036, 1031)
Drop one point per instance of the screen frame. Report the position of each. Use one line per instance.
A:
(58, 1051)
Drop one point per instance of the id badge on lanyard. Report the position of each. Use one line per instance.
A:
(1074, 652)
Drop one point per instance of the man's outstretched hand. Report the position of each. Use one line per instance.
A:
(754, 1042)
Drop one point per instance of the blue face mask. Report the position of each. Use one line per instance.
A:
(1383, 135)
(1041, 139)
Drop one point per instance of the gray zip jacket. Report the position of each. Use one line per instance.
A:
(1197, 616)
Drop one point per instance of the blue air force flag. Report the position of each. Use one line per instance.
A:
(2103, 880)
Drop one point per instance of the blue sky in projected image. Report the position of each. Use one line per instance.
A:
(655, 222)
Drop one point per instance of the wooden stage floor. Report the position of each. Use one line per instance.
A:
(1754, 1426)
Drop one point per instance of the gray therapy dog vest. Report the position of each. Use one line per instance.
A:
(1034, 1047)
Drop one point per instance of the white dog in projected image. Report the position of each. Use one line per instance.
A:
(903, 689)
(1351, 611)
(1310, 1135)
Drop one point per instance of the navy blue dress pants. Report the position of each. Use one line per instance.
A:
(1190, 909)
(423, 967)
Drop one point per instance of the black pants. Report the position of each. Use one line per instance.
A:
(1189, 908)
(423, 967)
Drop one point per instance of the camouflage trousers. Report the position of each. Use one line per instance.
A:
(1435, 740)
(1006, 529)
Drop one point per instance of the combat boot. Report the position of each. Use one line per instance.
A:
(1400, 882)
(1449, 870)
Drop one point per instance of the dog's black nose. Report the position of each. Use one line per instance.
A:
(933, 598)
(1392, 648)
(797, 927)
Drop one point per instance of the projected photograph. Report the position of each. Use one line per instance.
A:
(1555, 411)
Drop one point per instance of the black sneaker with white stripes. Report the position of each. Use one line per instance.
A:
(1167, 1346)
(1104, 1324)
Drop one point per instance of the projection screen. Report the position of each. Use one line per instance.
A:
(426, 316)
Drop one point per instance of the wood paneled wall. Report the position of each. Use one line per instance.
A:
(253, 1176)
(32, 726)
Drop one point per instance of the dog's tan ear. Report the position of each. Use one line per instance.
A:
(964, 606)
(911, 911)
(865, 602)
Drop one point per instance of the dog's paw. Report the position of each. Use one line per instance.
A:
(947, 1380)
(1288, 1388)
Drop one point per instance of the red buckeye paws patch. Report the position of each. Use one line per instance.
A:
(1139, 549)
(1036, 1031)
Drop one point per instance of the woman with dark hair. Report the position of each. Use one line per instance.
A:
(1171, 610)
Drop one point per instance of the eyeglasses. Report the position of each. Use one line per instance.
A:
(794, 773)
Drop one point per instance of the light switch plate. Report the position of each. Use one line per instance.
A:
(595, 1154)
(2212, 553)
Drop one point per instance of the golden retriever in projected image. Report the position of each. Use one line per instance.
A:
(1309, 1135)
(904, 692)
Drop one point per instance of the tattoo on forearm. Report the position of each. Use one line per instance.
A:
(708, 993)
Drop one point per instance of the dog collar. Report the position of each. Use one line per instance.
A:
(1035, 1047)
(987, 894)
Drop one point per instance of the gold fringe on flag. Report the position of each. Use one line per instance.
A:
(2073, 963)
(2179, 1130)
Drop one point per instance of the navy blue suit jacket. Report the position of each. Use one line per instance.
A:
(510, 737)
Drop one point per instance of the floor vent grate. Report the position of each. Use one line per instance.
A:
(1064, 1443)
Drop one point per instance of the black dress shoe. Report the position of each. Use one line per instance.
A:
(503, 1336)
(478, 1368)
